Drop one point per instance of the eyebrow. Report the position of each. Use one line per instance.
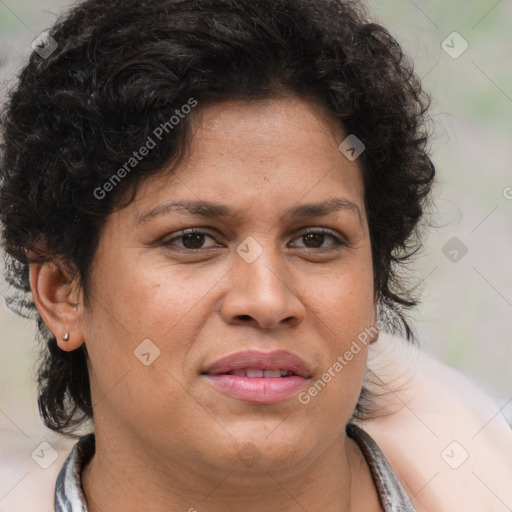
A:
(206, 209)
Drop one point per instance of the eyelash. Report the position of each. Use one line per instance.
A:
(338, 242)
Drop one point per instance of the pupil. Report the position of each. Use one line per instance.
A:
(196, 238)
(319, 237)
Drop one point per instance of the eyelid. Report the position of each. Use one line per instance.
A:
(188, 231)
(340, 240)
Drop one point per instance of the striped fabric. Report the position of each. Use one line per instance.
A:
(392, 495)
(69, 496)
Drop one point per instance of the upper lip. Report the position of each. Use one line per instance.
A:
(275, 360)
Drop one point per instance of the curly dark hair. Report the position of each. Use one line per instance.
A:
(123, 67)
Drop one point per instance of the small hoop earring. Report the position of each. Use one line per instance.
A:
(66, 336)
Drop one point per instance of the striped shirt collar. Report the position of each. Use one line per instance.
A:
(69, 495)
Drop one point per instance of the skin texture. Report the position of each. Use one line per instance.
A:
(154, 424)
(421, 391)
(166, 438)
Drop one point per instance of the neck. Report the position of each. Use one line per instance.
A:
(125, 476)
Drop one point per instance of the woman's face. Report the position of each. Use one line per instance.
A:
(263, 278)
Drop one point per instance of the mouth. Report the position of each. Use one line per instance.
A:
(254, 373)
(259, 377)
(258, 364)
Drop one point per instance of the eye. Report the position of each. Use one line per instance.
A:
(314, 239)
(194, 239)
(190, 239)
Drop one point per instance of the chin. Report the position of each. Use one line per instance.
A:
(265, 446)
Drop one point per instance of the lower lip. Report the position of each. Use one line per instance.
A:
(261, 390)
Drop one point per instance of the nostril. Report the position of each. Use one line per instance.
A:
(244, 317)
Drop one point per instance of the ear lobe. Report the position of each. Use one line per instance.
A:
(56, 298)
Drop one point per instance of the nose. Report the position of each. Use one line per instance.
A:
(262, 294)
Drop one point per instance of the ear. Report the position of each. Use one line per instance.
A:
(57, 299)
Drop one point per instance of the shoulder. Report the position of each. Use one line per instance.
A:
(447, 441)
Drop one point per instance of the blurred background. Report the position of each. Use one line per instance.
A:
(462, 51)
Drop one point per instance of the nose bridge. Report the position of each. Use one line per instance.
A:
(260, 265)
(259, 288)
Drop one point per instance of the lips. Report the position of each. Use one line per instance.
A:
(259, 377)
(254, 364)
(254, 373)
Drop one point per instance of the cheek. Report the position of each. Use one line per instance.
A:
(148, 299)
(160, 303)
(169, 302)
(343, 306)
(347, 318)
(344, 299)
(128, 308)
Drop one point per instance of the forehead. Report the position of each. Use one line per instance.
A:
(266, 153)
(270, 129)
